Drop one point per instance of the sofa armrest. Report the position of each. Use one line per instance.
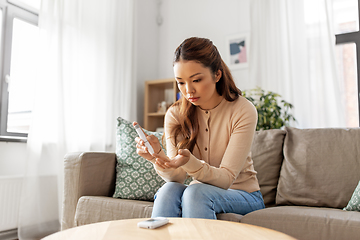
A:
(86, 174)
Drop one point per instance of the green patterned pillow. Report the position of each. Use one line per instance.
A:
(354, 203)
(136, 177)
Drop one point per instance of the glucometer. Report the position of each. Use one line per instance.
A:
(143, 137)
(153, 223)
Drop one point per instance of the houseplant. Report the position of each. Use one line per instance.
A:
(273, 112)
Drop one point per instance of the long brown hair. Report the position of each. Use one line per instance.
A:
(203, 51)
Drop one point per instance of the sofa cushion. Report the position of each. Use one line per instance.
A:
(136, 177)
(321, 167)
(99, 209)
(86, 173)
(354, 203)
(308, 222)
(267, 154)
(232, 217)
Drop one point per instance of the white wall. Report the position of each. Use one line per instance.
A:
(146, 49)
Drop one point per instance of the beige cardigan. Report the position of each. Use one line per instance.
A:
(224, 141)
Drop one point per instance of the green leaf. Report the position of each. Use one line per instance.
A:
(273, 112)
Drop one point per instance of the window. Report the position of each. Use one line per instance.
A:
(346, 26)
(19, 49)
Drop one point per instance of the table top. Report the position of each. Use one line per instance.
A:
(177, 228)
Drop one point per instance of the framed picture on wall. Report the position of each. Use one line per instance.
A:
(237, 50)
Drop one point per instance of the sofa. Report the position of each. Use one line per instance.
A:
(308, 177)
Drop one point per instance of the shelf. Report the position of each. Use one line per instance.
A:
(156, 114)
(157, 91)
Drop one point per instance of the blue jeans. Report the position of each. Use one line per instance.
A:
(203, 201)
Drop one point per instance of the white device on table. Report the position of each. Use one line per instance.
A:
(142, 136)
(153, 223)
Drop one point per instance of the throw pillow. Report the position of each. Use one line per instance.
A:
(267, 155)
(136, 177)
(320, 168)
(354, 203)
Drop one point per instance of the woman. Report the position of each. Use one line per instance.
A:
(208, 133)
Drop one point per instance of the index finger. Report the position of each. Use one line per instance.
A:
(135, 123)
(138, 140)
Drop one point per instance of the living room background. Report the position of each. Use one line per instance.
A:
(160, 26)
(154, 46)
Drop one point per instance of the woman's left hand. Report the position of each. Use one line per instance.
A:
(181, 159)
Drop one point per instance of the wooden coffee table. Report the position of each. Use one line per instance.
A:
(178, 228)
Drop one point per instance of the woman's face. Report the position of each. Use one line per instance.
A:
(197, 83)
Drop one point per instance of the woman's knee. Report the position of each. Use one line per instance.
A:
(171, 189)
(197, 193)
(168, 200)
(197, 202)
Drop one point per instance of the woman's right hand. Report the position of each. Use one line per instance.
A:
(142, 150)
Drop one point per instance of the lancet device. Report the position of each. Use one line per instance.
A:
(142, 136)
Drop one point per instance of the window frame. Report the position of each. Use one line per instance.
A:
(10, 12)
(353, 37)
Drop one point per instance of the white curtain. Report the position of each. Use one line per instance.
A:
(85, 82)
(293, 54)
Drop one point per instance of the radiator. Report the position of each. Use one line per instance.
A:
(10, 191)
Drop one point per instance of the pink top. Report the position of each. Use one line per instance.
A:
(223, 158)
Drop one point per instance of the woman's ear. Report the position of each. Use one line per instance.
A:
(218, 75)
